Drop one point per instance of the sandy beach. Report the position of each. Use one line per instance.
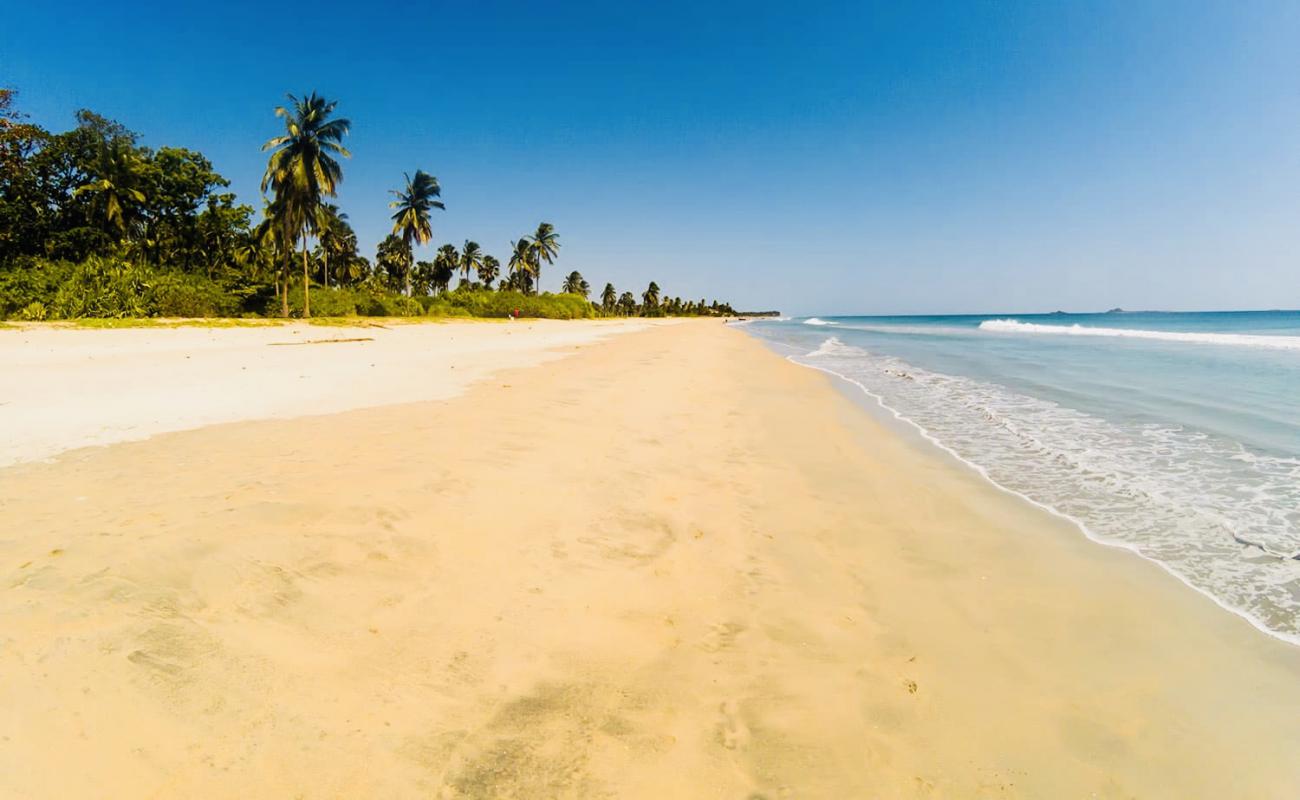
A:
(671, 564)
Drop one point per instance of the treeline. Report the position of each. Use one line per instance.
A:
(94, 224)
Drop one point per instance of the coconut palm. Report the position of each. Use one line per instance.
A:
(543, 246)
(575, 284)
(334, 236)
(627, 304)
(411, 219)
(608, 298)
(113, 192)
(444, 267)
(471, 258)
(521, 262)
(303, 170)
(650, 298)
(488, 271)
(256, 253)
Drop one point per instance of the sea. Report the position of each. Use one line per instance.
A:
(1175, 435)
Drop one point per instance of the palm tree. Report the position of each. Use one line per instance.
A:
(302, 170)
(627, 303)
(521, 263)
(488, 271)
(608, 298)
(543, 245)
(411, 219)
(355, 267)
(650, 298)
(574, 284)
(256, 253)
(471, 258)
(444, 267)
(335, 235)
(113, 191)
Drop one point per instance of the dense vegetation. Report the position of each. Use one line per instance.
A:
(94, 224)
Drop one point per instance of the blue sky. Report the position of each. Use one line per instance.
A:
(818, 158)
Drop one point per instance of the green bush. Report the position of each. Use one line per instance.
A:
(33, 312)
(28, 281)
(34, 288)
(103, 287)
(481, 303)
(351, 302)
(179, 295)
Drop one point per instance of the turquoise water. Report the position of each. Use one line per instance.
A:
(1174, 435)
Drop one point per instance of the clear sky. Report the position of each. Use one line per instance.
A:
(816, 157)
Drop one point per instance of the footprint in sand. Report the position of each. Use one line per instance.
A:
(733, 733)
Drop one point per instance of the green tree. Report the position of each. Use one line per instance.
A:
(336, 239)
(393, 260)
(543, 246)
(627, 304)
(608, 298)
(521, 265)
(114, 188)
(302, 170)
(413, 205)
(488, 271)
(444, 267)
(650, 300)
(575, 284)
(471, 259)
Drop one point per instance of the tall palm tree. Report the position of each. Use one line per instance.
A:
(521, 262)
(411, 219)
(488, 271)
(303, 170)
(113, 191)
(650, 298)
(608, 298)
(543, 245)
(471, 258)
(335, 235)
(627, 303)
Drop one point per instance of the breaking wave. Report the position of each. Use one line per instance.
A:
(1230, 339)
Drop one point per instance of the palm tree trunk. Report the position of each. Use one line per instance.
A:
(306, 297)
(284, 294)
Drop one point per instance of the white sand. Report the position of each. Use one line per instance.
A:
(66, 388)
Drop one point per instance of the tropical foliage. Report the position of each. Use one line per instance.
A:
(302, 171)
(94, 224)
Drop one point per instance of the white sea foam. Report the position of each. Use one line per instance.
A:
(818, 321)
(1230, 339)
(1219, 517)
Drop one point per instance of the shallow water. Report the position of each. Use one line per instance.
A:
(1176, 435)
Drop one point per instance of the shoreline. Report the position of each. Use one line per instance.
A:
(715, 575)
(868, 398)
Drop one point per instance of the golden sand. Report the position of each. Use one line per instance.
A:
(674, 565)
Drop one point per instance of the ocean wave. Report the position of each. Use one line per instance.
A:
(828, 347)
(1230, 339)
(1221, 519)
(818, 321)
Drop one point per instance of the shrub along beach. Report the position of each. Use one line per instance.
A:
(95, 225)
